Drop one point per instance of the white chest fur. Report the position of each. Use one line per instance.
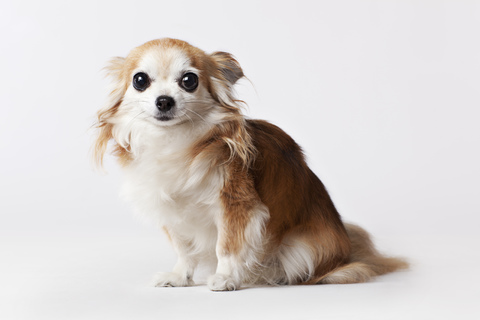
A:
(165, 185)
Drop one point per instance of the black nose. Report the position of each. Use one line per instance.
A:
(165, 103)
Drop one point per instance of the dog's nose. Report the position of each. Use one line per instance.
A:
(165, 103)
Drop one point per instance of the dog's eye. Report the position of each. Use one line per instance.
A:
(189, 81)
(141, 81)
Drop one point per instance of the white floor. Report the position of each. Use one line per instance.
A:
(109, 279)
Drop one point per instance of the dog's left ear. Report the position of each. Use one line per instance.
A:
(228, 66)
(115, 70)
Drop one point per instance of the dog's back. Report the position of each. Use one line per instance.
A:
(307, 241)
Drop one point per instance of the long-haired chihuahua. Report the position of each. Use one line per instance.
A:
(225, 189)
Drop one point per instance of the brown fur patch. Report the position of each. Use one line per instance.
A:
(239, 199)
(226, 142)
(298, 202)
(229, 145)
(278, 176)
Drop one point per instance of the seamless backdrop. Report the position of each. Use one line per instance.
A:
(382, 95)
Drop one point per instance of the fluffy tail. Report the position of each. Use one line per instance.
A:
(365, 261)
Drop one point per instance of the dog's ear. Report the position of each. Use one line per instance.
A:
(228, 66)
(116, 71)
(225, 72)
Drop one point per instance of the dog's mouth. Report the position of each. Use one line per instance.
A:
(168, 119)
(163, 117)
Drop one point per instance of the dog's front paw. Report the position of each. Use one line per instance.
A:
(171, 279)
(221, 282)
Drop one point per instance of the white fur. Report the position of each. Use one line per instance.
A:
(162, 186)
(297, 260)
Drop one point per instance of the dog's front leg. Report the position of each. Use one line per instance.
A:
(182, 275)
(241, 237)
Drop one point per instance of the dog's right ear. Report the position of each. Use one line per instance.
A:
(116, 71)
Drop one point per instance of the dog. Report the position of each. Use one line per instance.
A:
(225, 189)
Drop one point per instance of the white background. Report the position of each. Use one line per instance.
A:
(383, 96)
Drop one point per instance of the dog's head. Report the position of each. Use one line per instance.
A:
(165, 83)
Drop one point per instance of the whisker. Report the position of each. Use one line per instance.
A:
(199, 102)
(189, 118)
(198, 115)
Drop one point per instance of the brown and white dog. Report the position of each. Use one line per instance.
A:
(225, 189)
